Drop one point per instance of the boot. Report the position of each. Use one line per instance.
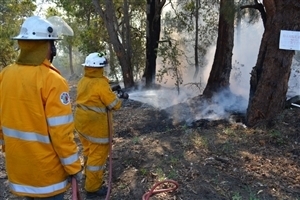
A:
(99, 193)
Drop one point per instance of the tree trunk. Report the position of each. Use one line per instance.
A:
(270, 75)
(220, 73)
(196, 39)
(154, 8)
(128, 45)
(108, 17)
(71, 59)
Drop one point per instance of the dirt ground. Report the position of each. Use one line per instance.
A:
(210, 160)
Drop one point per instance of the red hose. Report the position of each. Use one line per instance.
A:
(152, 192)
(75, 190)
(110, 125)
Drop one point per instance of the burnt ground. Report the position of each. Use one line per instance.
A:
(216, 160)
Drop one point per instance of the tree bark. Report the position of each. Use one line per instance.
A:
(108, 17)
(154, 8)
(270, 76)
(196, 39)
(71, 59)
(220, 73)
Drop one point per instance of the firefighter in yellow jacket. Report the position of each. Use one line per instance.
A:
(94, 99)
(36, 117)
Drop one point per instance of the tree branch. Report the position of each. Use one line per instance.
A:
(99, 8)
(260, 8)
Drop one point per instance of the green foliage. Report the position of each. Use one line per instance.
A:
(181, 23)
(92, 36)
(89, 34)
(236, 196)
(171, 66)
(276, 137)
(13, 13)
(143, 171)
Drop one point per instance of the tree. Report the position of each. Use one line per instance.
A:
(124, 56)
(270, 75)
(154, 8)
(197, 6)
(190, 26)
(67, 43)
(12, 14)
(105, 24)
(220, 73)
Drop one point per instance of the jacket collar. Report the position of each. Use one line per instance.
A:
(93, 72)
(48, 64)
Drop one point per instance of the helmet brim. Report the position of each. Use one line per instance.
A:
(22, 38)
(85, 65)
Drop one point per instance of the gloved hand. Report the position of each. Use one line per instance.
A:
(122, 94)
(77, 176)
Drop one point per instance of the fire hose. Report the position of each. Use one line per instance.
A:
(152, 192)
(75, 190)
(110, 126)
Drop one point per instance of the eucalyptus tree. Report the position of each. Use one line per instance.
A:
(106, 25)
(88, 27)
(270, 75)
(67, 25)
(229, 17)
(199, 19)
(12, 14)
(154, 9)
(220, 72)
(191, 27)
(107, 11)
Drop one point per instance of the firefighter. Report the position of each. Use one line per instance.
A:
(37, 128)
(94, 99)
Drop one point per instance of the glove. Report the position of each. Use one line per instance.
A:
(122, 94)
(77, 176)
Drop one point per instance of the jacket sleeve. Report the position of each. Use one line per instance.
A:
(1, 136)
(1, 132)
(60, 124)
(108, 97)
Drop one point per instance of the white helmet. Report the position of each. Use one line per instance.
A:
(36, 28)
(95, 60)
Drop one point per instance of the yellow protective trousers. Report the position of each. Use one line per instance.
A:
(96, 155)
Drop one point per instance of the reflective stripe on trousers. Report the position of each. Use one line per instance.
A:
(94, 139)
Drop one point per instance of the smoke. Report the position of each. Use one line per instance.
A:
(188, 106)
(294, 83)
(247, 40)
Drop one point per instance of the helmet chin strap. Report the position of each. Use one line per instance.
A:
(53, 50)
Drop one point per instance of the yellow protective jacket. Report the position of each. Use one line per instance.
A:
(94, 98)
(37, 127)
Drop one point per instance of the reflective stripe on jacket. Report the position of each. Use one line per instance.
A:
(37, 127)
(94, 98)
